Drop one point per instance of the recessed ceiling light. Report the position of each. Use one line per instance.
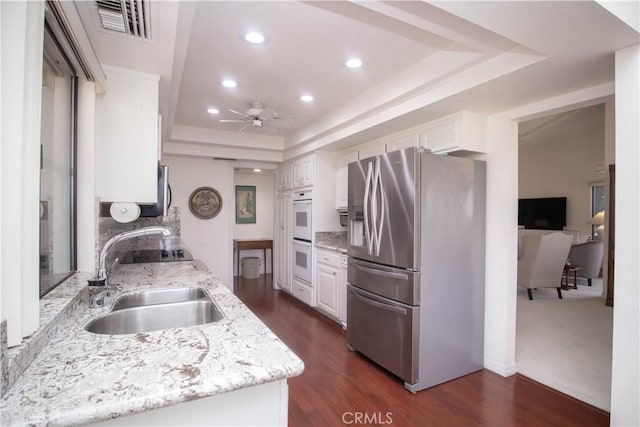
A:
(255, 37)
(229, 83)
(353, 63)
(306, 98)
(257, 170)
(213, 111)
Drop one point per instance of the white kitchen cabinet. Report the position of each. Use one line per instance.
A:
(342, 175)
(127, 137)
(462, 131)
(283, 241)
(402, 141)
(303, 292)
(284, 178)
(304, 172)
(327, 282)
(371, 149)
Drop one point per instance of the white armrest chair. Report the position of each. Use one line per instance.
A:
(543, 260)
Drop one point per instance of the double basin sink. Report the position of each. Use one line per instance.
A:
(157, 309)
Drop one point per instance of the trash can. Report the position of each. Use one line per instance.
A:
(250, 267)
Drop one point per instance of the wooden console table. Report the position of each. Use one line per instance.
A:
(246, 244)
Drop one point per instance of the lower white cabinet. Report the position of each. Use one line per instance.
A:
(329, 295)
(303, 291)
(327, 287)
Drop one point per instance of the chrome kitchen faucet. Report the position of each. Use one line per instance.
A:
(99, 287)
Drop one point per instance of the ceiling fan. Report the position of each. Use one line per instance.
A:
(255, 117)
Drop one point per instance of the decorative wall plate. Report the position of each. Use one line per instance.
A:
(205, 202)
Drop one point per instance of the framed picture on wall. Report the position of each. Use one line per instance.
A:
(245, 204)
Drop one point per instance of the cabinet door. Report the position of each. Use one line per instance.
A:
(342, 184)
(297, 174)
(127, 137)
(372, 149)
(404, 141)
(283, 242)
(308, 171)
(460, 131)
(327, 288)
(442, 137)
(284, 177)
(304, 172)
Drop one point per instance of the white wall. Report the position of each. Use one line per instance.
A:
(263, 228)
(208, 239)
(21, 85)
(625, 384)
(562, 163)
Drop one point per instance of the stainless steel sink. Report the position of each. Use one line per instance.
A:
(147, 311)
(159, 296)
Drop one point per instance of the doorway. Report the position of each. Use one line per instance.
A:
(566, 343)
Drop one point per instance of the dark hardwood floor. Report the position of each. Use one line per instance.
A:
(339, 387)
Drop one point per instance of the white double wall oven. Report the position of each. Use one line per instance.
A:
(302, 235)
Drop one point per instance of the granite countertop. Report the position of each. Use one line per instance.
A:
(80, 377)
(332, 240)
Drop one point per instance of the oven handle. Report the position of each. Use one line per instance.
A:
(383, 273)
(369, 301)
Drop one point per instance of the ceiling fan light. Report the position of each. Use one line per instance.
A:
(306, 98)
(353, 63)
(255, 37)
(229, 83)
(213, 111)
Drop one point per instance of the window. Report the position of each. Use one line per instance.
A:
(597, 205)
(57, 177)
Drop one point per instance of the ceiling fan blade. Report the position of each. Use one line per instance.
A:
(245, 127)
(239, 113)
(231, 121)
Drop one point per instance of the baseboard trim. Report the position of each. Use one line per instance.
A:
(501, 368)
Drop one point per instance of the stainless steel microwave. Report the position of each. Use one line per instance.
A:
(161, 208)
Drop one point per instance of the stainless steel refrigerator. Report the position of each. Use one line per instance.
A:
(415, 300)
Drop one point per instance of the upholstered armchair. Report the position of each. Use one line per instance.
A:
(543, 260)
(588, 256)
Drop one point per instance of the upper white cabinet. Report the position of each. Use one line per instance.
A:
(371, 149)
(284, 178)
(462, 131)
(127, 137)
(402, 141)
(304, 172)
(342, 178)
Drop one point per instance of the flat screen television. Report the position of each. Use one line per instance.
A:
(548, 213)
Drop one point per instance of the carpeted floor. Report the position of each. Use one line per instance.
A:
(566, 343)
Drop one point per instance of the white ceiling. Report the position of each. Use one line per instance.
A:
(421, 61)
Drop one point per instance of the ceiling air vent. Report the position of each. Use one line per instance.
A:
(125, 16)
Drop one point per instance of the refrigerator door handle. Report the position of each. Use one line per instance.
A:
(365, 205)
(382, 273)
(379, 304)
(378, 222)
